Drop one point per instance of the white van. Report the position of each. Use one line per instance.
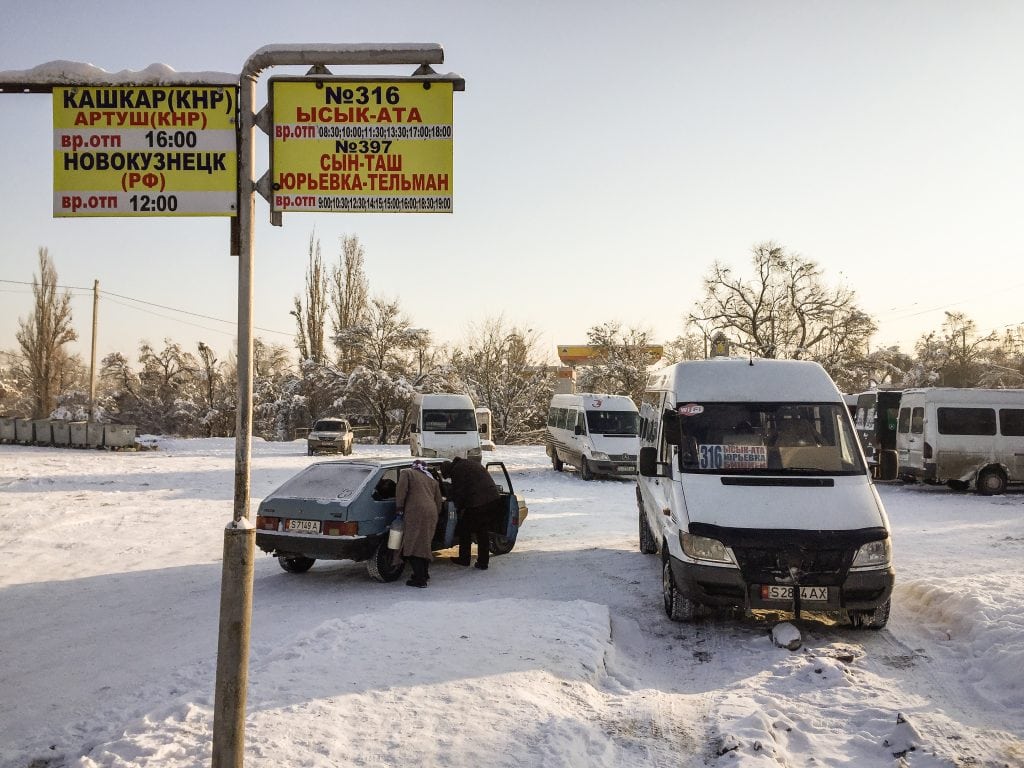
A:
(962, 437)
(597, 434)
(486, 427)
(443, 426)
(754, 489)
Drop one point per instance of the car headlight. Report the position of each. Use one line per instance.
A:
(598, 456)
(703, 548)
(874, 554)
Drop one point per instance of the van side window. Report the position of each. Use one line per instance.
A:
(917, 421)
(904, 424)
(1011, 421)
(966, 421)
(552, 417)
(581, 422)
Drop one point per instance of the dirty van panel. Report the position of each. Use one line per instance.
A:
(959, 465)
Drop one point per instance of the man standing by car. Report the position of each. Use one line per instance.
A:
(478, 500)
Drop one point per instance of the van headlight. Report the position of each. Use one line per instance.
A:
(599, 456)
(428, 453)
(703, 548)
(474, 452)
(874, 554)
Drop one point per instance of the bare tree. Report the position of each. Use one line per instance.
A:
(309, 314)
(349, 295)
(786, 310)
(42, 337)
(503, 370)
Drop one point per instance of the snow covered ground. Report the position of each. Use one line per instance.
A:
(559, 655)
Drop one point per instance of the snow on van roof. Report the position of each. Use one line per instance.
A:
(734, 379)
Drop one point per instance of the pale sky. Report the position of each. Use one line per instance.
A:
(605, 155)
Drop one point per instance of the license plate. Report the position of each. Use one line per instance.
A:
(304, 526)
(808, 594)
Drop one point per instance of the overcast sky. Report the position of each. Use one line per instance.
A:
(605, 155)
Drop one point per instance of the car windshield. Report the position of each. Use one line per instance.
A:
(449, 420)
(327, 425)
(325, 481)
(767, 438)
(625, 423)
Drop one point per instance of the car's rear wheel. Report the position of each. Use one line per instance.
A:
(295, 563)
(556, 463)
(991, 482)
(381, 566)
(677, 607)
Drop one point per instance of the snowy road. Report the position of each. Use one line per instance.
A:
(559, 655)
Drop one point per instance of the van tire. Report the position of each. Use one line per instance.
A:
(648, 544)
(381, 566)
(677, 607)
(990, 482)
(556, 463)
(585, 471)
(875, 619)
(295, 563)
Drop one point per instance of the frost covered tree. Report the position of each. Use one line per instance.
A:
(620, 367)
(502, 368)
(43, 335)
(785, 310)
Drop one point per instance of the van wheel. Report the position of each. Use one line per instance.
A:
(677, 607)
(381, 565)
(585, 472)
(991, 482)
(648, 544)
(295, 563)
(875, 619)
(556, 463)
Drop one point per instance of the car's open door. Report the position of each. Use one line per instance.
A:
(506, 529)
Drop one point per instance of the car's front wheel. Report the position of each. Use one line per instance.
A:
(381, 566)
(295, 563)
(556, 463)
(875, 619)
(677, 607)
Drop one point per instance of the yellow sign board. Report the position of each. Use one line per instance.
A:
(576, 354)
(361, 146)
(145, 151)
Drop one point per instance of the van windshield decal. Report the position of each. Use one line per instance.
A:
(768, 438)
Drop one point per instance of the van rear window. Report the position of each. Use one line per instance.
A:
(966, 421)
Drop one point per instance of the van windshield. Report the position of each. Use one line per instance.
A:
(613, 423)
(768, 438)
(449, 420)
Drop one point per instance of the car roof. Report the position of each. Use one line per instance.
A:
(383, 461)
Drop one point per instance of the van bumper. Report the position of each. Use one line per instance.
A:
(725, 587)
(613, 468)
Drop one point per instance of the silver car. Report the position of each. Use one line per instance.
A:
(342, 510)
(330, 436)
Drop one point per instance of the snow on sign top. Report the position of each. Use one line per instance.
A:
(63, 73)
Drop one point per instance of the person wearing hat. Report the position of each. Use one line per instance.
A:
(478, 500)
(418, 500)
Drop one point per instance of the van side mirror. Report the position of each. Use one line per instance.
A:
(648, 463)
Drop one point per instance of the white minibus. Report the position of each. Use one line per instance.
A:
(596, 434)
(754, 490)
(962, 437)
(443, 426)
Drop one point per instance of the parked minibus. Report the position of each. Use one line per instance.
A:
(595, 433)
(754, 490)
(444, 426)
(962, 437)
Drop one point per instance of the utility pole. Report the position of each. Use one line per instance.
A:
(92, 363)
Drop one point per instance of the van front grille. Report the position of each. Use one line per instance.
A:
(779, 565)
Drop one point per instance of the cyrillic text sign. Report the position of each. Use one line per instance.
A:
(145, 151)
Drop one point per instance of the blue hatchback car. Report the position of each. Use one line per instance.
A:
(343, 510)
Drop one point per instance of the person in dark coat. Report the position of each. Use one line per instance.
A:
(418, 500)
(479, 503)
